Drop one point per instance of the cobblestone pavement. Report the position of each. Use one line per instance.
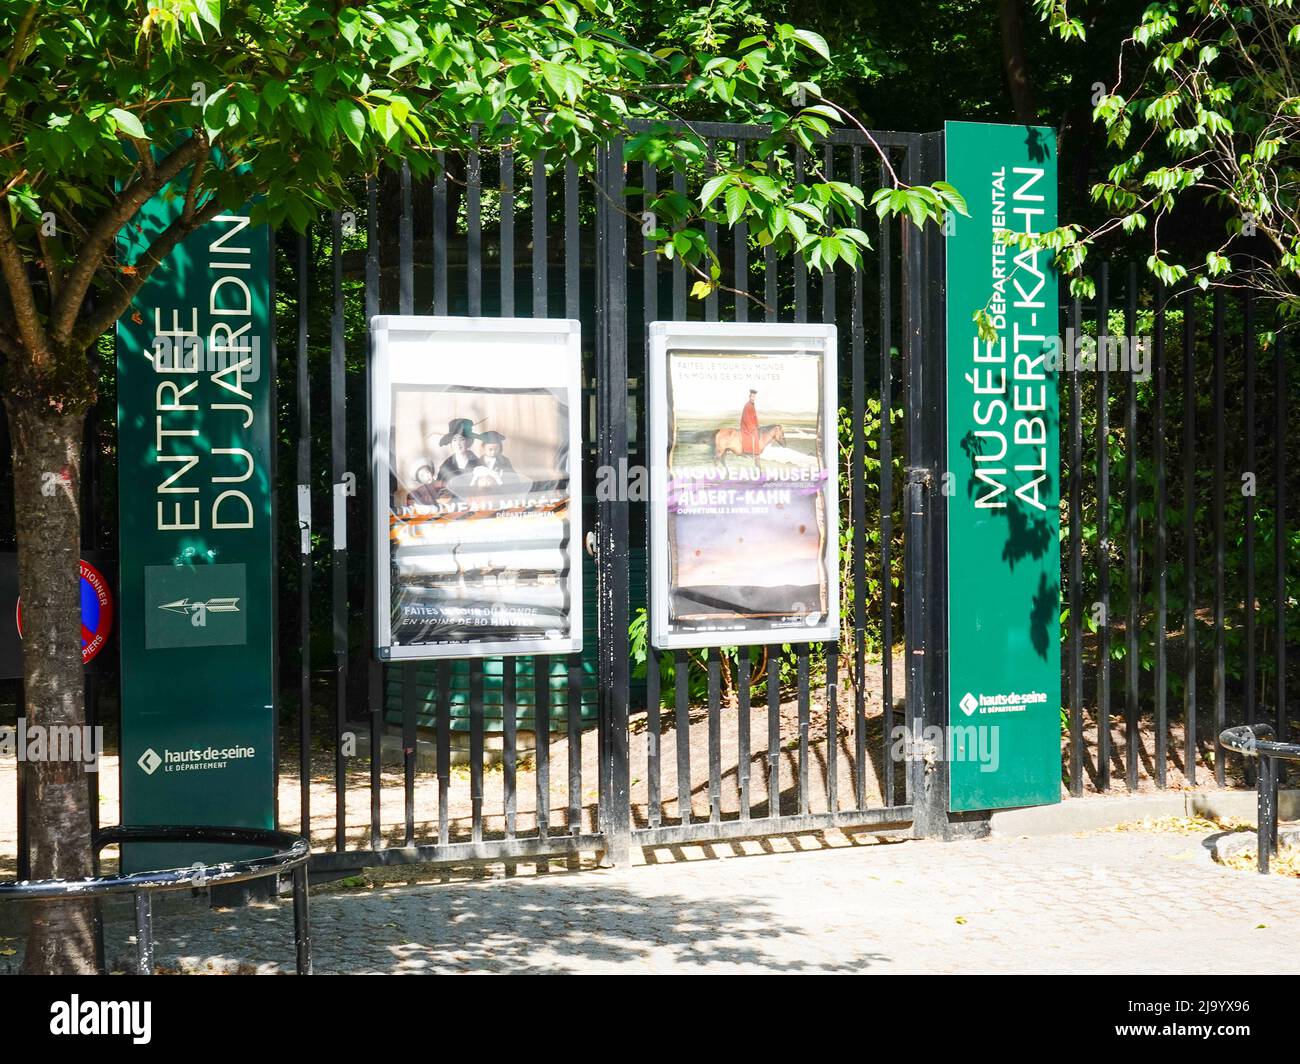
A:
(1102, 902)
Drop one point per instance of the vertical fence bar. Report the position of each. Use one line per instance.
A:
(572, 239)
(1220, 663)
(541, 663)
(574, 693)
(539, 237)
(476, 729)
(474, 294)
(507, 232)
(742, 658)
(338, 464)
(304, 526)
(828, 275)
(743, 666)
(650, 312)
(715, 736)
(1189, 536)
(1103, 530)
(771, 288)
(832, 651)
(800, 267)
(613, 577)
(509, 702)
(1076, 560)
(474, 227)
(1162, 547)
(509, 743)
(542, 739)
(773, 731)
(679, 271)
(410, 670)
(1132, 752)
(1279, 537)
(740, 266)
(443, 743)
(886, 507)
(711, 233)
(801, 667)
(1248, 532)
(408, 675)
(440, 237)
(374, 668)
(682, 726)
(858, 502)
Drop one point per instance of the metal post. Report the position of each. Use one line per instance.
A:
(612, 565)
(925, 547)
(1266, 811)
(923, 356)
(301, 921)
(143, 933)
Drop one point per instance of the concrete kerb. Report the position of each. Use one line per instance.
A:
(1092, 814)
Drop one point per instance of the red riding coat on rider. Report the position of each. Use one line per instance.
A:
(749, 426)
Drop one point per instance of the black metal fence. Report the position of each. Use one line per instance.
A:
(621, 745)
(1165, 578)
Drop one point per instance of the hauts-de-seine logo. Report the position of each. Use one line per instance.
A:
(193, 758)
(969, 703)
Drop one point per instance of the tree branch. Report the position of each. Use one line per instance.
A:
(19, 50)
(50, 259)
(162, 246)
(104, 231)
(26, 317)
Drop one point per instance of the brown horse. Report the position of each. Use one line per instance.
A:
(728, 441)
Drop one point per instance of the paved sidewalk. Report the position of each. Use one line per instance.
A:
(1103, 902)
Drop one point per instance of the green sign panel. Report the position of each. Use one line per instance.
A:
(197, 629)
(1003, 518)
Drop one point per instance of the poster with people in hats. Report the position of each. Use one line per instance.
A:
(482, 511)
(744, 528)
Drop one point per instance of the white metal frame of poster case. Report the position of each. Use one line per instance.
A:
(476, 436)
(744, 526)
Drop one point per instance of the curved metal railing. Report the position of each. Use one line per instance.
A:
(1260, 742)
(289, 854)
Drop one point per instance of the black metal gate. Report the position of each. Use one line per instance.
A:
(501, 238)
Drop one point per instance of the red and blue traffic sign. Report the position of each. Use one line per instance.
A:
(96, 612)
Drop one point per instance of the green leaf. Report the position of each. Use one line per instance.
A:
(128, 123)
(352, 121)
(814, 41)
(713, 186)
(565, 82)
(737, 199)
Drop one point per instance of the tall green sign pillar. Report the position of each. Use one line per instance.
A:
(1002, 474)
(195, 380)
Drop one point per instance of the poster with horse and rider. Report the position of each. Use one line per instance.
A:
(476, 435)
(744, 511)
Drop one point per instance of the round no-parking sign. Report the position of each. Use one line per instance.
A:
(96, 612)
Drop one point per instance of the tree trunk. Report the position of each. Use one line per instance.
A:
(1015, 61)
(47, 477)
